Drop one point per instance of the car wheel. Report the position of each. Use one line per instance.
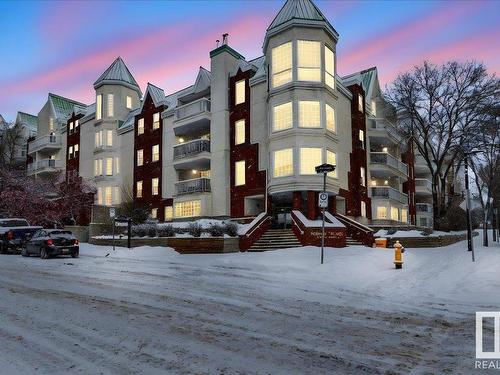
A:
(24, 252)
(43, 253)
(74, 255)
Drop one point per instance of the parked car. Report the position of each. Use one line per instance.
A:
(52, 242)
(13, 234)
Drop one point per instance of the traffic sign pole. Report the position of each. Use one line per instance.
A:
(323, 200)
(323, 224)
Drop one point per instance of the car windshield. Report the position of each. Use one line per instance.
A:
(13, 223)
(60, 232)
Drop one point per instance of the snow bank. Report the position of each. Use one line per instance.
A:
(414, 233)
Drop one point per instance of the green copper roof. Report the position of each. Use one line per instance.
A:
(29, 120)
(117, 73)
(63, 107)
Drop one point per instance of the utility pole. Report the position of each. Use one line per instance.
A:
(470, 243)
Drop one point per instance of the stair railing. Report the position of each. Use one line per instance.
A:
(356, 230)
(255, 231)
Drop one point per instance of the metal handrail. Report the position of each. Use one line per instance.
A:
(191, 109)
(388, 159)
(390, 193)
(189, 148)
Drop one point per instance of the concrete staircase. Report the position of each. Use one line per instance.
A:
(274, 239)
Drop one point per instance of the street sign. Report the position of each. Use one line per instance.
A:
(112, 212)
(323, 200)
(325, 168)
(121, 224)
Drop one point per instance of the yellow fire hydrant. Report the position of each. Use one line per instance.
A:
(398, 256)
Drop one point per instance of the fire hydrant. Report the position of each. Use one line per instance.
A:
(398, 256)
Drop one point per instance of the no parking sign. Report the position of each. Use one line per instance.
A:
(323, 200)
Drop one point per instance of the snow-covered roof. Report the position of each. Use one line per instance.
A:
(118, 73)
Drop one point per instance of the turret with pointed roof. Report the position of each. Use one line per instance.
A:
(118, 74)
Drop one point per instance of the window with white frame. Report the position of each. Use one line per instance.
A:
(329, 67)
(310, 158)
(76, 149)
(281, 64)
(111, 105)
(308, 60)
(187, 208)
(118, 195)
(239, 92)
(109, 138)
(98, 107)
(71, 127)
(109, 166)
(140, 157)
(239, 132)
(363, 208)
(156, 120)
(381, 212)
(99, 195)
(98, 167)
(138, 189)
(283, 162)
(154, 213)
(394, 213)
(362, 138)
(77, 123)
(108, 195)
(51, 124)
(404, 215)
(70, 152)
(283, 116)
(309, 114)
(362, 172)
(140, 126)
(98, 139)
(360, 103)
(169, 213)
(129, 102)
(155, 183)
(331, 158)
(117, 165)
(155, 152)
(239, 173)
(330, 118)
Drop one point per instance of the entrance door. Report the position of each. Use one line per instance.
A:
(282, 217)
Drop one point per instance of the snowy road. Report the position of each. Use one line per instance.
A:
(152, 311)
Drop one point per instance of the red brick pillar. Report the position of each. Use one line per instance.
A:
(332, 204)
(297, 200)
(311, 205)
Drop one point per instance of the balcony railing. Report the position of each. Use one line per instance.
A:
(424, 207)
(386, 192)
(195, 185)
(52, 141)
(389, 160)
(192, 109)
(191, 148)
(44, 164)
(423, 184)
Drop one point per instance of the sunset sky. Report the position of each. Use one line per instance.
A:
(62, 47)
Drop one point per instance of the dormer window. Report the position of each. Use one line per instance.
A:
(240, 92)
(281, 68)
(309, 61)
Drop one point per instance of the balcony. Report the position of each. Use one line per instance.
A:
(423, 186)
(424, 208)
(44, 166)
(192, 117)
(191, 148)
(385, 192)
(381, 130)
(388, 163)
(46, 142)
(196, 185)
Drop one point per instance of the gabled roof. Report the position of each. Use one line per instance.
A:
(129, 120)
(302, 13)
(367, 78)
(157, 95)
(118, 73)
(63, 107)
(30, 121)
(203, 80)
(88, 113)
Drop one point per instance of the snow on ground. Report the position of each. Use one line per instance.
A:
(153, 311)
(414, 233)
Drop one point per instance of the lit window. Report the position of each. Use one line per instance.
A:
(239, 132)
(98, 107)
(282, 64)
(156, 153)
(310, 158)
(363, 177)
(330, 118)
(129, 102)
(71, 127)
(374, 108)
(140, 157)
(360, 103)
(76, 149)
(111, 105)
(329, 67)
(98, 139)
(156, 120)
(363, 209)
(240, 92)
(140, 126)
(331, 158)
(96, 167)
(404, 215)
(155, 183)
(362, 138)
(99, 196)
(108, 198)
(309, 61)
(169, 213)
(283, 162)
(283, 116)
(118, 196)
(381, 212)
(154, 213)
(205, 174)
(51, 124)
(188, 208)
(117, 165)
(394, 213)
(239, 173)
(109, 166)
(309, 114)
(138, 188)
(77, 123)
(109, 137)
(70, 152)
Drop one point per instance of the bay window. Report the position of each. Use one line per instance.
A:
(109, 137)
(309, 114)
(129, 102)
(331, 158)
(281, 67)
(394, 213)
(329, 67)
(98, 107)
(108, 195)
(283, 116)
(310, 158)
(330, 118)
(381, 212)
(283, 162)
(99, 195)
(111, 105)
(109, 166)
(308, 60)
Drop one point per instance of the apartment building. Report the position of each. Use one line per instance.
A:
(244, 138)
(14, 139)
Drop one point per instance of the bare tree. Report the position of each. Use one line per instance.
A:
(12, 139)
(438, 107)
